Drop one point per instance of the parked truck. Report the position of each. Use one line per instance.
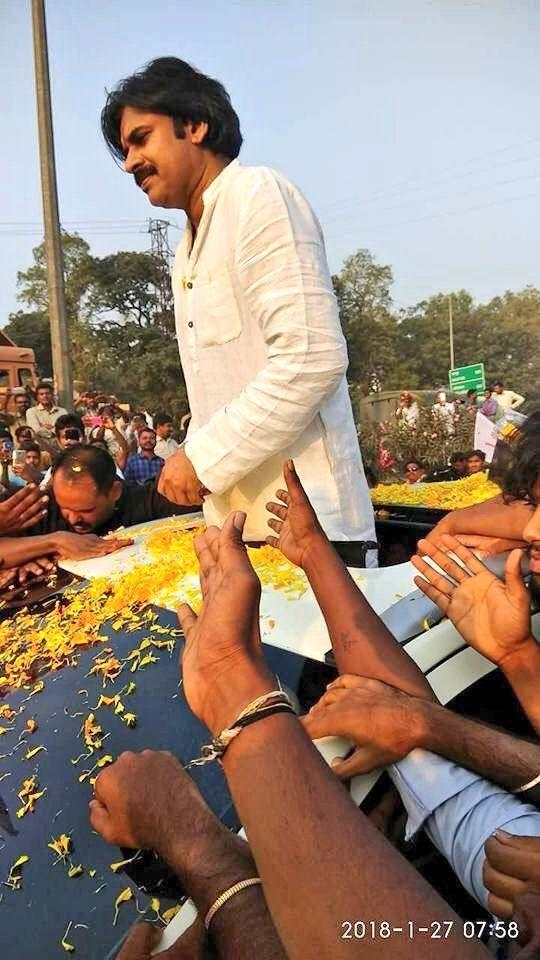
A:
(17, 365)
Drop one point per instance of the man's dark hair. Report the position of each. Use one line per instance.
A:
(43, 385)
(523, 471)
(175, 89)
(21, 429)
(30, 446)
(497, 383)
(477, 453)
(5, 434)
(471, 392)
(147, 430)
(68, 420)
(458, 455)
(162, 418)
(76, 463)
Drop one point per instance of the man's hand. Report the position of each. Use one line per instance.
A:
(179, 482)
(493, 617)
(8, 576)
(146, 800)
(77, 546)
(27, 472)
(485, 547)
(511, 868)
(145, 937)
(383, 722)
(222, 663)
(36, 568)
(297, 526)
(24, 509)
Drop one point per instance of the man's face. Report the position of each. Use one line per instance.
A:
(83, 507)
(164, 430)
(45, 397)
(71, 440)
(22, 403)
(475, 465)
(413, 472)
(26, 434)
(531, 535)
(460, 466)
(32, 459)
(164, 167)
(147, 440)
(498, 388)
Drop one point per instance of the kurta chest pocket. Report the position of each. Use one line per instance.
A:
(216, 311)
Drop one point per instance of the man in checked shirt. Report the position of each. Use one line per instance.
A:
(262, 349)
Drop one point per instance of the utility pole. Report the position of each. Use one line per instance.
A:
(451, 330)
(159, 246)
(53, 245)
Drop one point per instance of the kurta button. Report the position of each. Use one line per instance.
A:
(190, 324)
(189, 285)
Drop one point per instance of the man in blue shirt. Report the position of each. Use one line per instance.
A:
(144, 465)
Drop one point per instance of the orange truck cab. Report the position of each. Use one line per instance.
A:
(17, 365)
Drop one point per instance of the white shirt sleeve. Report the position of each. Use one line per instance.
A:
(459, 811)
(516, 400)
(285, 283)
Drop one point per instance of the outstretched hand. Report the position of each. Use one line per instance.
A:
(22, 510)
(295, 521)
(222, 658)
(493, 617)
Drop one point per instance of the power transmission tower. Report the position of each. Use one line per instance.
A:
(160, 248)
(53, 243)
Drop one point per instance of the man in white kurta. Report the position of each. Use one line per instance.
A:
(264, 357)
(261, 345)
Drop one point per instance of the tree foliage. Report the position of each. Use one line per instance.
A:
(410, 349)
(120, 322)
(121, 326)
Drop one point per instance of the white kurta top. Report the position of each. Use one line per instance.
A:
(264, 357)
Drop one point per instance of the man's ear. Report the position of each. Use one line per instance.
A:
(117, 490)
(197, 131)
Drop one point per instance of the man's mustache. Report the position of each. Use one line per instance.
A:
(143, 173)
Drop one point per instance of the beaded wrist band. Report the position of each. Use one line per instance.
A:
(276, 701)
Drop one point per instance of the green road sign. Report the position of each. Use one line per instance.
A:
(467, 378)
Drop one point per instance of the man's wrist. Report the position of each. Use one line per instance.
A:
(314, 552)
(522, 663)
(233, 690)
(217, 859)
(426, 720)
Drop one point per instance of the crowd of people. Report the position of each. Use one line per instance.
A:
(491, 402)
(34, 431)
(460, 465)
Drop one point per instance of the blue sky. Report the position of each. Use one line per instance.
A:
(412, 127)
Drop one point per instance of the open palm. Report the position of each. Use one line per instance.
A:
(294, 519)
(492, 616)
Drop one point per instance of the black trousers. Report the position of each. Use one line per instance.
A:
(353, 552)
